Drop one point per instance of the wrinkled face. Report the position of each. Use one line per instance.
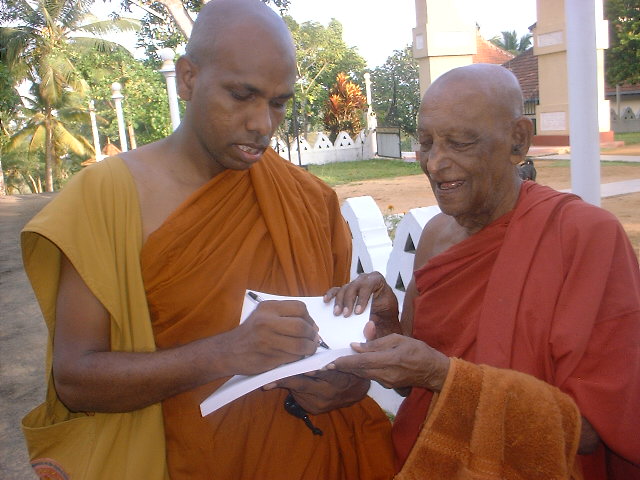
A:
(238, 98)
(465, 151)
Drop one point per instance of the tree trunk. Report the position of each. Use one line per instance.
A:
(180, 16)
(3, 188)
(48, 151)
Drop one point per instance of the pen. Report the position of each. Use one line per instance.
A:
(257, 298)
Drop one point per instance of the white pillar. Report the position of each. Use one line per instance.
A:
(94, 131)
(583, 99)
(116, 95)
(168, 69)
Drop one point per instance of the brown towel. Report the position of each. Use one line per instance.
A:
(490, 423)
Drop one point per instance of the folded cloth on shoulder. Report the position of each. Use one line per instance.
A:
(491, 423)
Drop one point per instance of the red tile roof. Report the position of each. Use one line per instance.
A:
(525, 68)
(487, 52)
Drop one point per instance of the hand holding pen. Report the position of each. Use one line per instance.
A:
(257, 299)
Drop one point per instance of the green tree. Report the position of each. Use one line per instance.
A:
(509, 41)
(395, 88)
(38, 47)
(321, 55)
(623, 56)
(9, 106)
(168, 23)
(142, 86)
(68, 145)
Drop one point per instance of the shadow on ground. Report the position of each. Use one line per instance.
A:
(23, 337)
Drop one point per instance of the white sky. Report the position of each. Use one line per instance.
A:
(378, 27)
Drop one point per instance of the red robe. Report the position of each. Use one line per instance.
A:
(551, 289)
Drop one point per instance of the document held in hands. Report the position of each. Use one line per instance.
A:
(337, 332)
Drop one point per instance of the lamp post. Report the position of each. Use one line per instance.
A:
(168, 69)
(116, 95)
(94, 131)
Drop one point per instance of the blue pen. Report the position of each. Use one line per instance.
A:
(256, 298)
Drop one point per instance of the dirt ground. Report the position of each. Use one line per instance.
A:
(23, 334)
(399, 195)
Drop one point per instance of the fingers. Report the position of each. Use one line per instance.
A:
(370, 330)
(353, 297)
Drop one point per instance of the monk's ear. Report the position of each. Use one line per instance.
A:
(521, 137)
(186, 72)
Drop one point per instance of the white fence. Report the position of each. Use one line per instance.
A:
(319, 149)
(372, 246)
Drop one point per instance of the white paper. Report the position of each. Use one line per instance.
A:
(337, 332)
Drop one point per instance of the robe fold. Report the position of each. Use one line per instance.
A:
(475, 429)
(551, 289)
(271, 228)
(95, 222)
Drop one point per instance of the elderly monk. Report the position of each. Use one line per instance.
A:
(141, 264)
(520, 331)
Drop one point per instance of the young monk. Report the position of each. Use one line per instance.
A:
(141, 264)
(521, 325)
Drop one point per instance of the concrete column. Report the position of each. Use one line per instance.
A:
(94, 131)
(116, 95)
(441, 40)
(168, 69)
(550, 46)
(372, 121)
(583, 98)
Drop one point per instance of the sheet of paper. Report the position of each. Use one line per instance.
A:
(337, 332)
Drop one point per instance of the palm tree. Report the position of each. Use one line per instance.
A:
(510, 42)
(57, 131)
(39, 47)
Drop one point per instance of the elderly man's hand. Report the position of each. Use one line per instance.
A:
(396, 361)
(354, 296)
(322, 391)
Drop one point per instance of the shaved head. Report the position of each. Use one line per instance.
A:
(222, 20)
(481, 82)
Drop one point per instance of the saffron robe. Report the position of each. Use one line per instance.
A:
(95, 222)
(272, 228)
(551, 289)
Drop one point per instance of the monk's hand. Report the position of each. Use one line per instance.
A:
(354, 296)
(275, 333)
(396, 361)
(322, 391)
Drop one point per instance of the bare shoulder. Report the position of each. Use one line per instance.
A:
(159, 191)
(438, 235)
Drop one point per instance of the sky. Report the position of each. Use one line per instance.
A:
(379, 27)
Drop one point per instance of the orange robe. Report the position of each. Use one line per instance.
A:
(272, 228)
(551, 289)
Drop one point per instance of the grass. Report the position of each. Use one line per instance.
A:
(340, 173)
(630, 138)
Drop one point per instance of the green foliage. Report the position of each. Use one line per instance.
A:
(23, 151)
(145, 102)
(159, 30)
(396, 91)
(321, 56)
(9, 99)
(346, 172)
(344, 108)
(623, 55)
(38, 46)
(509, 42)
